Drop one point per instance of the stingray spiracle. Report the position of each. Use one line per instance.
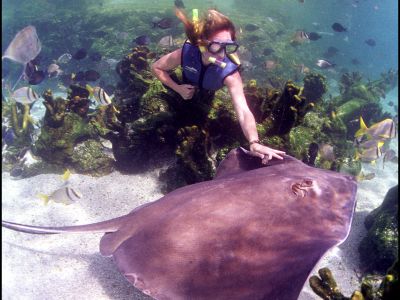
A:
(300, 188)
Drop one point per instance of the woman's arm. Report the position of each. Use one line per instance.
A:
(246, 119)
(168, 62)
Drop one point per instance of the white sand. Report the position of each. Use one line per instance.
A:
(70, 266)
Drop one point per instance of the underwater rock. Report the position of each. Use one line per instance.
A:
(373, 287)
(379, 249)
(55, 109)
(315, 87)
(78, 100)
(56, 144)
(88, 157)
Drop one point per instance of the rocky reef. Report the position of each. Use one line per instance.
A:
(373, 287)
(379, 249)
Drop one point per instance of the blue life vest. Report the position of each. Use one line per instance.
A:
(209, 77)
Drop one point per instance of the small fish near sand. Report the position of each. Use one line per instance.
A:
(25, 95)
(324, 64)
(338, 27)
(65, 194)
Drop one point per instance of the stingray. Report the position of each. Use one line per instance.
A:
(24, 47)
(253, 232)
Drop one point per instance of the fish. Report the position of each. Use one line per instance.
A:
(220, 239)
(299, 37)
(30, 68)
(64, 194)
(268, 51)
(112, 62)
(369, 154)
(390, 155)
(163, 23)
(37, 77)
(326, 152)
(9, 136)
(370, 42)
(166, 42)
(99, 94)
(79, 76)
(301, 1)
(312, 153)
(314, 36)
(142, 40)
(179, 4)
(385, 129)
(24, 47)
(251, 27)
(338, 27)
(324, 64)
(355, 61)
(362, 176)
(25, 95)
(122, 35)
(80, 54)
(390, 103)
(91, 75)
(53, 70)
(270, 65)
(64, 58)
(95, 56)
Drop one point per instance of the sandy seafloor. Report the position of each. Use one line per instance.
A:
(69, 266)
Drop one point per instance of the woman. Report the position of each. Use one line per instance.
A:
(212, 39)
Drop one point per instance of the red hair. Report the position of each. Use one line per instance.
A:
(208, 25)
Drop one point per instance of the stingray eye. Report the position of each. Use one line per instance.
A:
(308, 182)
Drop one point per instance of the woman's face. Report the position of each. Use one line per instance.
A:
(220, 36)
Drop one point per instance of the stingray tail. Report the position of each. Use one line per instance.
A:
(106, 226)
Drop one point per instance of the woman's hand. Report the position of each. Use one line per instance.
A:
(265, 153)
(186, 91)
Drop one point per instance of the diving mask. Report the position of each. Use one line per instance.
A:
(216, 47)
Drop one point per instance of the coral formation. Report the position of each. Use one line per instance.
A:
(373, 287)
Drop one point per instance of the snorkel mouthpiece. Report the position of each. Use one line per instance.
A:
(217, 62)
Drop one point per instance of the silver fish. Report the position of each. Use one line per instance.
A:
(324, 64)
(25, 95)
(53, 70)
(65, 194)
(64, 58)
(101, 96)
(166, 42)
